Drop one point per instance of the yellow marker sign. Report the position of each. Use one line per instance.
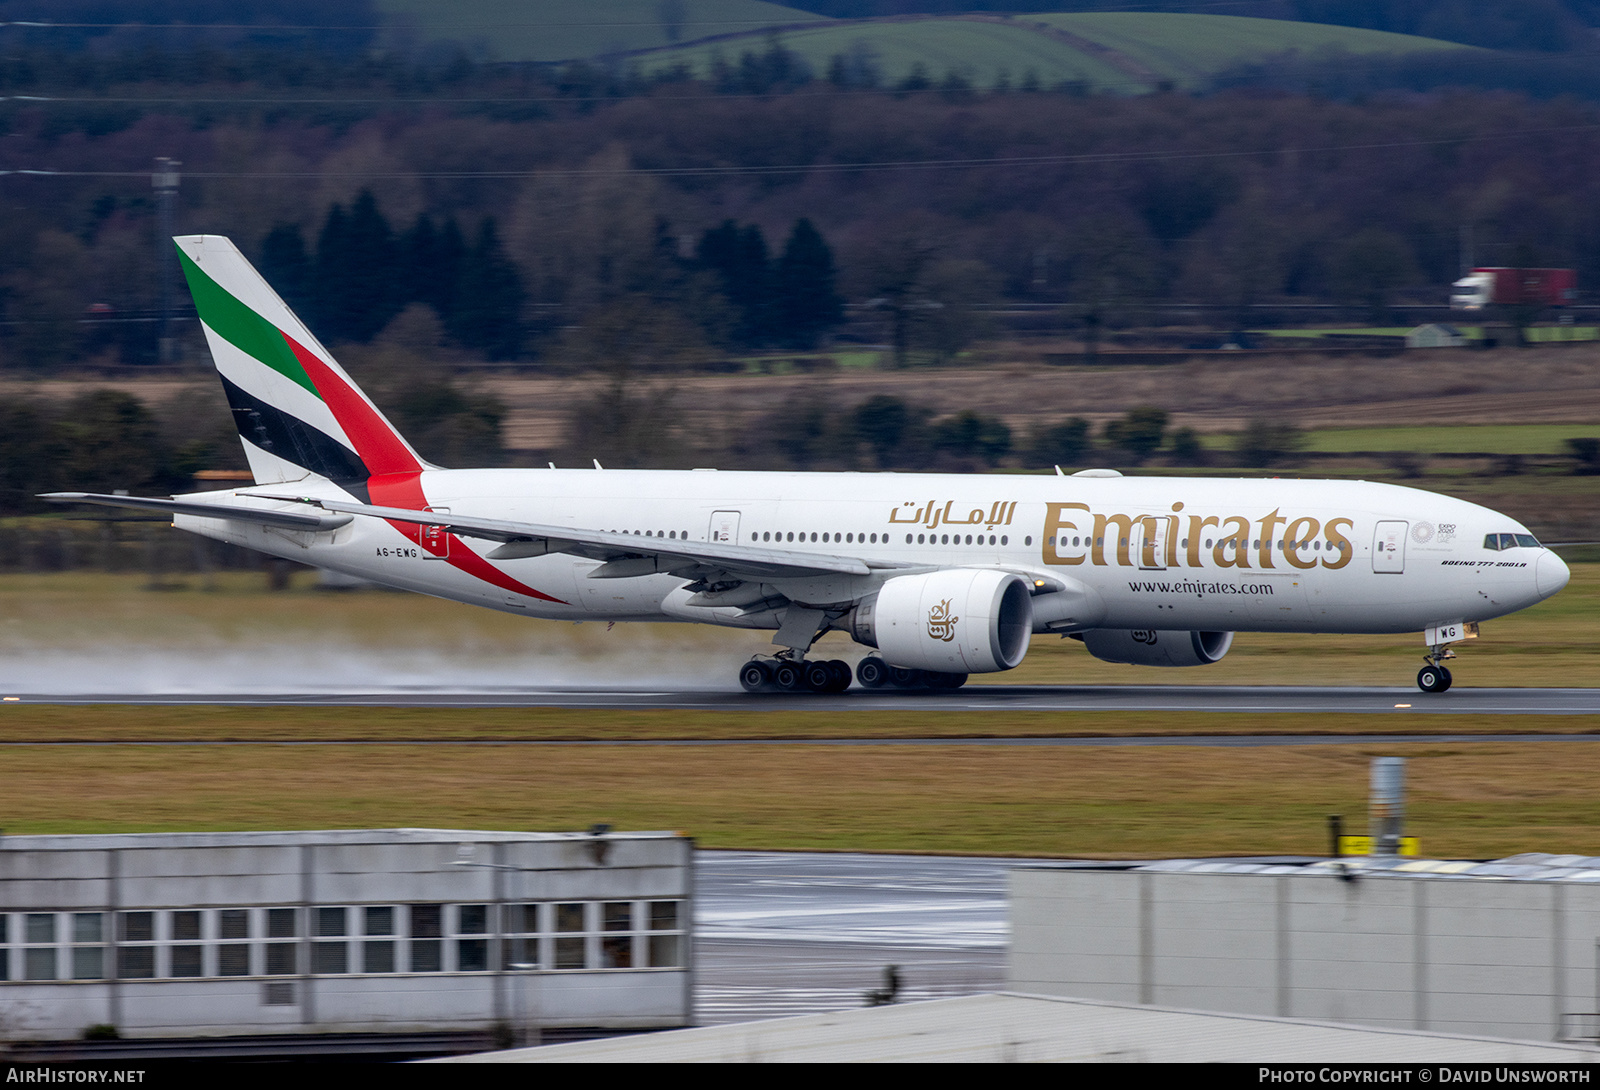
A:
(1362, 845)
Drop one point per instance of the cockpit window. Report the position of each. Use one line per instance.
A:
(1498, 542)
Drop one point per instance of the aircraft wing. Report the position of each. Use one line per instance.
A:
(621, 555)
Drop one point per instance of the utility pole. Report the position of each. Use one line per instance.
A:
(165, 182)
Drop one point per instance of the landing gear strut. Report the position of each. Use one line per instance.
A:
(1434, 677)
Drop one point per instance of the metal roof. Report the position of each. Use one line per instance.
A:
(292, 838)
(1529, 866)
(1012, 1027)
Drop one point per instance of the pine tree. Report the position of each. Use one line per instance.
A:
(738, 256)
(286, 266)
(805, 304)
(357, 289)
(487, 315)
(433, 260)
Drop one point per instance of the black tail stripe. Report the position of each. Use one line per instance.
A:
(292, 439)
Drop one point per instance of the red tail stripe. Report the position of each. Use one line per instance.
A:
(396, 475)
(376, 442)
(405, 490)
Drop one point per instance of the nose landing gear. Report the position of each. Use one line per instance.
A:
(1434, 677)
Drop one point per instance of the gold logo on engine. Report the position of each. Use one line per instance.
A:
(942, 626)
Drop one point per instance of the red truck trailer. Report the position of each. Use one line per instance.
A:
(1514, 287)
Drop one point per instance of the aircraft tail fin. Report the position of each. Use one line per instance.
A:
(297, 411)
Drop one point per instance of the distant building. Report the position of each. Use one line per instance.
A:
(1501, 949)
(361, 931)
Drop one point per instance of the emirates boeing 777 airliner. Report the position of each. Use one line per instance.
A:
(945, 575)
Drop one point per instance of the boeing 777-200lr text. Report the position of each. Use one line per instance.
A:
(944, 575)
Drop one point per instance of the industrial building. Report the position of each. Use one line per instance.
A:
(179, 935)
(1506, 949)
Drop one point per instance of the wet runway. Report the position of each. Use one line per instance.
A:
(783, 933)
(1462, 701)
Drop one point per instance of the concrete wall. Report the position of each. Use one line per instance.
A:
(1505, 959)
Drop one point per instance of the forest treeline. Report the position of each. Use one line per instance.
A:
(618, 227)
(362, 274)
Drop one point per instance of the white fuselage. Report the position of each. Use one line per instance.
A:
(1274, 555)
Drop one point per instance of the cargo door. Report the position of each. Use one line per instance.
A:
(725, 526)
(1389, 547)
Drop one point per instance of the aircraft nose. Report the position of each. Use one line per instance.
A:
(1550, 574)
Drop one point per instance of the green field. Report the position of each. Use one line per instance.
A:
(980, 51)
(1488, 438)
(1187, 48)
(556, 30)
(1475, 800)
(1129, 51)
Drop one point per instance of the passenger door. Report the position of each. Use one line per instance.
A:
(1389, 547)
(725, 526)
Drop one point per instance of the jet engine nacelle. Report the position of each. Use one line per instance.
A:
(958, 621)
(1149, 647)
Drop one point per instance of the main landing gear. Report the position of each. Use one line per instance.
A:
(782, 673)
(1434, 677)
(790, 675)
(874, 673)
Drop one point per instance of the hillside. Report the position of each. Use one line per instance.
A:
(1128, 51)
(557, 30)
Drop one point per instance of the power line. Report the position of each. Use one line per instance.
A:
(1088, 159)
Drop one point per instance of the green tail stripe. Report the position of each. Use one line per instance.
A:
(242, 327)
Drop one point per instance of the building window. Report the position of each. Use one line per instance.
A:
(472, 955)
(280, 923)
(330, 957)
(186, 926)
(136, 962)
(666, 948)
(570, 942)
(188, 961)
(233, 957)
(521, 944)
(135, 959)
(331, 922)
(427, 954)
(377, 955)
(281, 958)
(88, 956)
(39, 959)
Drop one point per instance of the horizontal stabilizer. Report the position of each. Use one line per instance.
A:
(289, 520)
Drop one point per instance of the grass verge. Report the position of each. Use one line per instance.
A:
(1478, 800)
